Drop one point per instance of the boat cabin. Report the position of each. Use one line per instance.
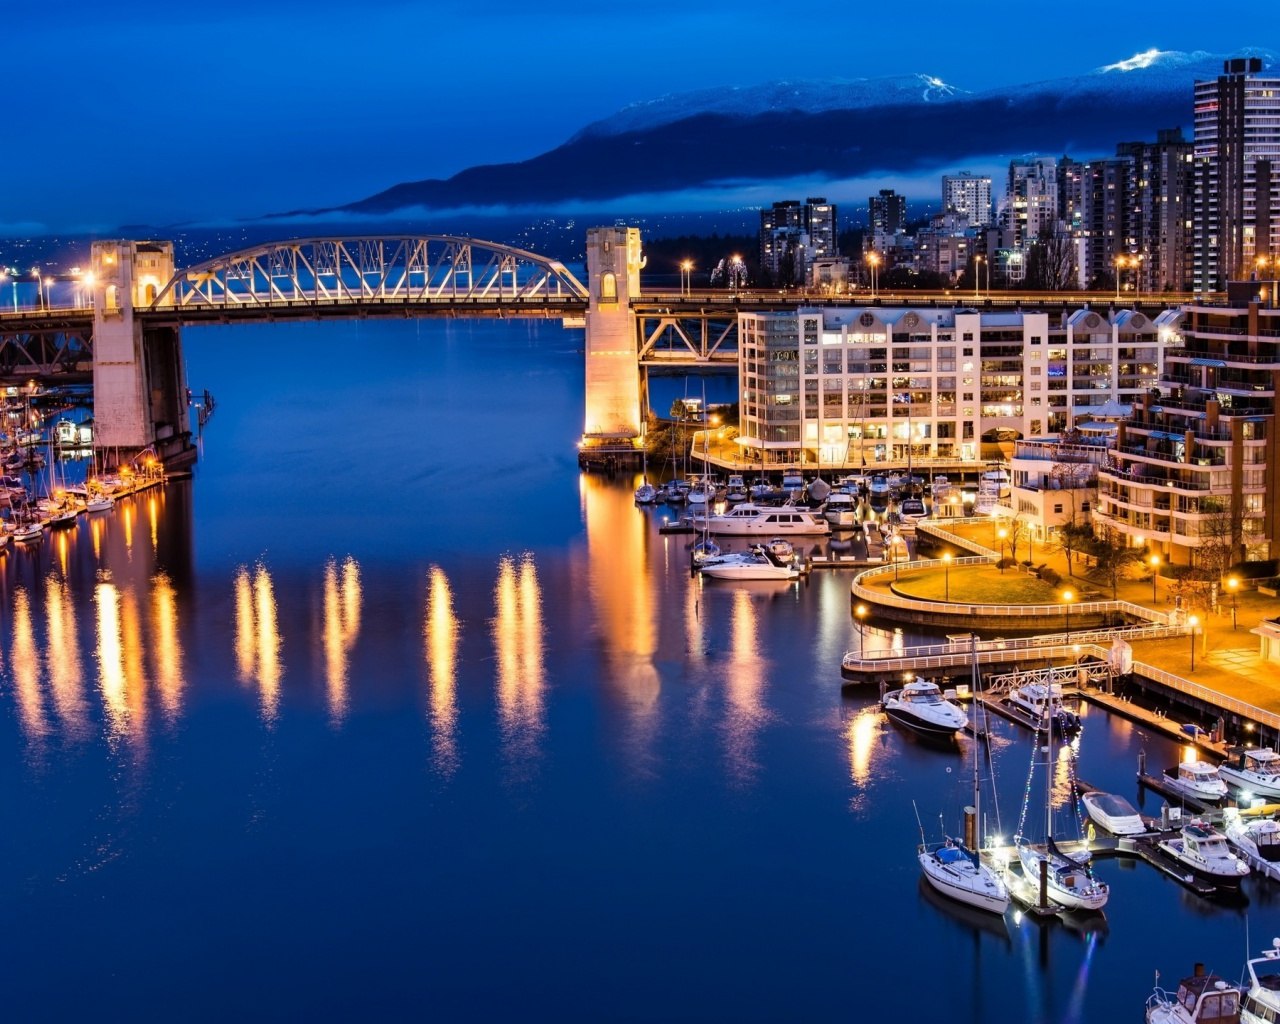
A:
(1264, 761)
(1208, 999)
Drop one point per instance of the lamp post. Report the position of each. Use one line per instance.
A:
(860, 613)
(977, 269)
(1067, 597)
(1233, 585)
(35, 272)
(1120, 264)
(1193, 624)
(873, 261)
(946, 569)
(48, 293)
(686, 283)
(1155, 573)
(1002, 533)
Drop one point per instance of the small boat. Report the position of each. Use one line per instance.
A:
(31, 532)
(940, 487)
(1201, 999)
(736, 490)
(920, 706)
(785, 520)
(705, 549)
(760, 489)
(646, 494)
(841, 509)
(99, 503)
(1197, 779)
(760, 563)
(879, 487)
(1257, 771)
(911, 510)
(1256, 839)
(1203, 849)
(1261, 1003)
(701, 491)
(1044, 700)
(1113, 813)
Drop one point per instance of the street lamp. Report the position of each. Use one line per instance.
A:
(1233, 584)
(1193, 623)
(860, 613)
(1002, 534)
(946, 568)
(1067, 597)
(1121, 262)
(977, 269)
(13, 277)
(1155, 572)
(686, 284)
(873, 261)
(48, 292)
(35, 272)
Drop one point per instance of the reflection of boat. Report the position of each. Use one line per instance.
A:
(1069, 877)
(1203, 849)
(996, 925)
(920, 706)
(1197, 779)
(1201, 999)
(1257, 840)
(1262, 1002)
(1257, 771)
(1113, 813)
(1039, 700)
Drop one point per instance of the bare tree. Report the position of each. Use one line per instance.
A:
(1115, 557)
(1051, 263)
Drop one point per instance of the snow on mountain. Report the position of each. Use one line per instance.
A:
(808, 97)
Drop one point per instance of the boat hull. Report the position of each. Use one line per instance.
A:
(1247, 780)
(924, 727)
(1062, 890)
(967, 884)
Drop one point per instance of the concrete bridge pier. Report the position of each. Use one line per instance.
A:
(139, 381)
(612, 431)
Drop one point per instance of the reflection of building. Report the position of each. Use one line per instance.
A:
(1236, 207)
(847, 386)
(1194, 470)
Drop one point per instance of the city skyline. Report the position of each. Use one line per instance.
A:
(225, 115)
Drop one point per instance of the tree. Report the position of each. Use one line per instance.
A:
(1219, 530)
(1015, 530)
(1115, 557)
(1051, 263)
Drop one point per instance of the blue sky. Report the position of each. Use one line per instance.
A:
(168, 113)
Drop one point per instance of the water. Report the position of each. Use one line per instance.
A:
(390, 712)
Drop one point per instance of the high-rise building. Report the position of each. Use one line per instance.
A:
(888, 212)
(780, 228)
(1236, 206)
(967, 194)
(792, 236)
(1031, 201)
(1159, 207)
(819, 218)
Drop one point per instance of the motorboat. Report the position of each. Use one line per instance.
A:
(1201, 999)
(1256, 839)
(911, 510)
(1044, 700)
(736, 490)
(878, 488)
(1261, 1003)
(1257, 771)
(785, 520)
(760, 489)
(1113, 813)
(793, 483)
(760, 563)
(1203, 849)
(940, 488)
(841, 509)
(1197, 779)
(920, 706)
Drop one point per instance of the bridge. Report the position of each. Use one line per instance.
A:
(123, 335)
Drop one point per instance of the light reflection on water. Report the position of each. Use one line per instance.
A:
(561, 641)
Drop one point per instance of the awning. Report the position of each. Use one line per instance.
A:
(1208, 362)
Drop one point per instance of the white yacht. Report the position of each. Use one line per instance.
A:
(760, 563)
(1201, 999)
(959, 873)
(1257, 771)
(784, 520)
(1203, 849)
(1197, 779)
(841, 509)
(1256, 839)
(1261, 1004)
(1113, 813)
(920, 706)
(1044, 700)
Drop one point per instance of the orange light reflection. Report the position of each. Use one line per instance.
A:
(441, 635)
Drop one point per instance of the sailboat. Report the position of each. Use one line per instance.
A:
(1069, 879)
(954, 867)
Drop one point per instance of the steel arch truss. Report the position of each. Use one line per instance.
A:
(45, 352)
(361, 271)
(704, 336)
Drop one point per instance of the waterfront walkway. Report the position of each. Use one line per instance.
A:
(1227, 660)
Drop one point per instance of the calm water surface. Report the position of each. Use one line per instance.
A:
(392, 713)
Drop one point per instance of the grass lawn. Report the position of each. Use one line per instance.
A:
(980, 585)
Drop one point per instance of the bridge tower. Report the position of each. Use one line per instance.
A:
(139, 382)
(612, 402)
